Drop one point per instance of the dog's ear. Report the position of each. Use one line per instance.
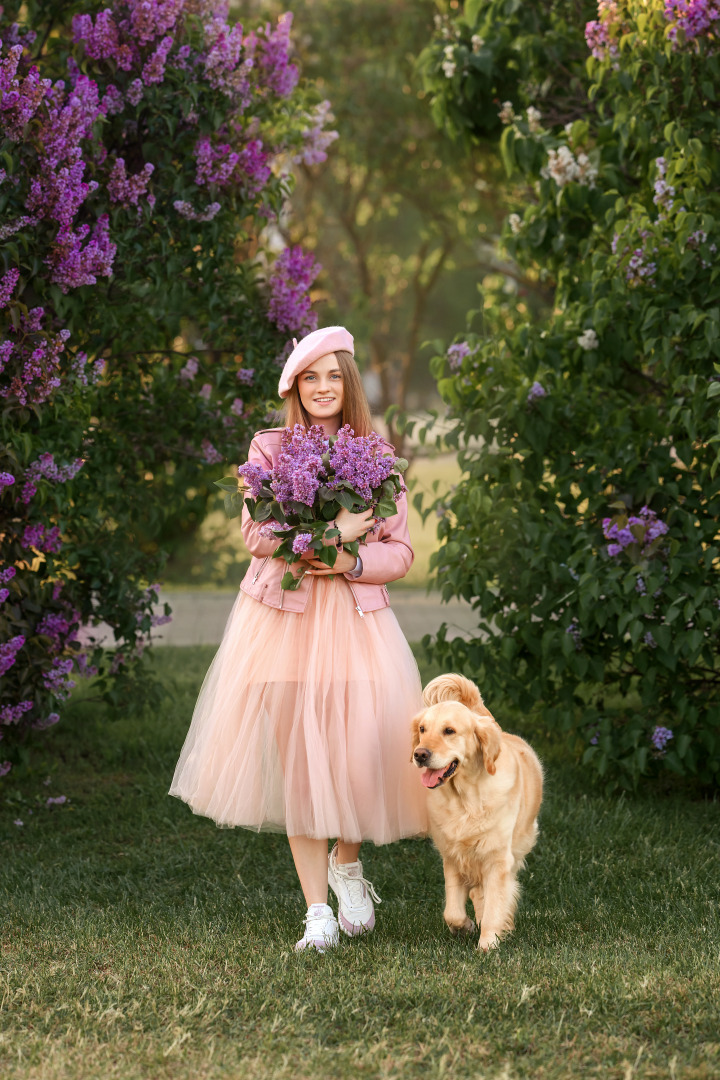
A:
(488, 734)
(452, 687)
(415, 733)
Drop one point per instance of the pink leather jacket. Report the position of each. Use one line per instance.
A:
(386, 556)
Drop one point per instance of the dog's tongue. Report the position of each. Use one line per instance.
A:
(431, 777)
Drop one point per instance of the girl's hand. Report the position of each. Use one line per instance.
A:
(353, 526)
(344, 562)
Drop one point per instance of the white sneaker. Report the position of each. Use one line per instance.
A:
(355, 894)
(321, 929)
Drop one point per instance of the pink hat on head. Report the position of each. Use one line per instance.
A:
(312, 347)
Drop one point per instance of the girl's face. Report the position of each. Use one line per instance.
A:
(320, 388)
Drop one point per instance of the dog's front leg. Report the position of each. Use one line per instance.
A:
(456, 894)
(501, 891)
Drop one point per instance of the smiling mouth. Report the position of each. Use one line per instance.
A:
(324, 400)
(433, 778)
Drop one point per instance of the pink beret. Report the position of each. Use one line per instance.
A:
(310, 348)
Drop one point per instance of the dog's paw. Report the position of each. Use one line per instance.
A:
(466, 927)
(488, 942)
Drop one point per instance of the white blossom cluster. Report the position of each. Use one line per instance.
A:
(588, 340)
(477, 43)
(565, 168)
(448, 65)
(515, 223)
(507, 113)
(534, 116)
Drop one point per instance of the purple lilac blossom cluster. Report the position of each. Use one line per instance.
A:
(289, 304)
(575, 633)
(299, 471)
(660, 737)
(696, 18)
(643, 529)
(301, 542)
(358, 460)
(457, 353)
(603, 33)
(536, 391)
(36, 536)
(246, 376)
(12, 714)
(8, 652)
(254, 476)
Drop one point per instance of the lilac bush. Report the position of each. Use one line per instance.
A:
(585, 528)
(143, 144)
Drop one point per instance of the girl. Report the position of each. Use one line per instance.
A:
(302, 722)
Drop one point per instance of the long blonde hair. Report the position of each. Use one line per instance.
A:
(355, 409)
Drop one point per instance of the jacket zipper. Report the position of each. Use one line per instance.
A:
(260, 569)
(359, 610)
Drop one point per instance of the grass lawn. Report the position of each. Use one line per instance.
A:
(216, 558)
(140, 941)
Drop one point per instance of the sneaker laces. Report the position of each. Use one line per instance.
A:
(315, 925)
(355, 884)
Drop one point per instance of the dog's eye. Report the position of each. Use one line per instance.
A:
(422, 730)
(449, 731)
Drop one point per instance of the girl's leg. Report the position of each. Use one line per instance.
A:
(347, 852)
(310, 857)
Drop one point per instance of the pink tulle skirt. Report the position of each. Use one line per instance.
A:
(302, 724)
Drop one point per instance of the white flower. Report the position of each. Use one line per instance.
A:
(534, 116)
(515, 223)
(477, 42)
(564, 168)
(448, 67)
(507, 113)
(588, 340)
(449, 52)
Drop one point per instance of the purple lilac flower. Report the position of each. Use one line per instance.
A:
(290, 306)
(6, 479)
(135, 91)
(4, 593)
(7, 574)
(360, 461)
(7, 286)
(18, 822)
(272, 57)
(8, 652)
(211, 456)
(186, 210)
(315, 138)
(246, 376)
(536, 391)
(694, 17)
(58, 800)
(269, 530)
(650, 640)
(205, 391)
(5, 768)
(11, 714)
(125, 189)
(640, 585)
(237, 407)
(299, 471)
(48, 721)
(45, 467)
(254, 476)
(302, 542)
(154, 68)
(660, 737)
(622, 537)
(190, 370)
(54, 679)
(575, 633)
(457, 353)
(35, 536)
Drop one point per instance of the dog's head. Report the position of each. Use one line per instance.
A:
(449, 737)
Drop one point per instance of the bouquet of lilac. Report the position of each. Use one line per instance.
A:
(314, 477)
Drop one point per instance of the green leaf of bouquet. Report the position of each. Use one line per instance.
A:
(328, 554)
(263, 512)
(345, 499)
(401, 464)
(290, 582)
(277, 513)
(228, 483)
(233, 504)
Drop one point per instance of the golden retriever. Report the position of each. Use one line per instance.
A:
(484, 794)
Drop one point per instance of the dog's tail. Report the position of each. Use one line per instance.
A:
(452, 687)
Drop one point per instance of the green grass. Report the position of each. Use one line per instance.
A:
(216, 557)
(140, 941)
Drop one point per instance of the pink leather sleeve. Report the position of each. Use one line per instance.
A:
(390, 555)
(256, 544)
